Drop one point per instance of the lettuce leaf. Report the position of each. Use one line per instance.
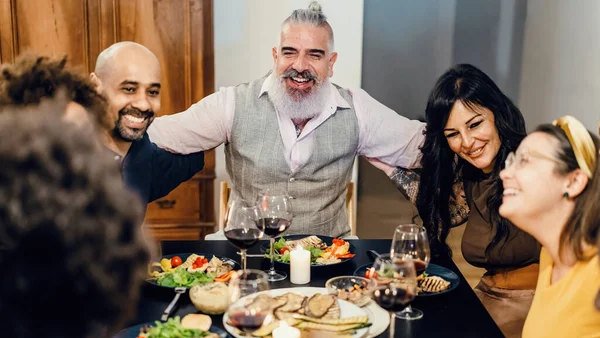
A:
(181, 277)
(279, 244)
(285, 258)
(314, 253)
(173, 329)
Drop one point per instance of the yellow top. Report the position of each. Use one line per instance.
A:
(565, 308)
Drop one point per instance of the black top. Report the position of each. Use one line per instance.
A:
(153, 172)
(458, 313)
(519, 250)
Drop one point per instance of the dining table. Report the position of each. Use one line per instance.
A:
(457, 313)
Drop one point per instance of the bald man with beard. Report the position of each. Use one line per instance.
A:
(127, 74)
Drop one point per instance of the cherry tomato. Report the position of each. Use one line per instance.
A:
(283, 250)
(338, 241)
(176, 261)
(199, 262)
(371, 274)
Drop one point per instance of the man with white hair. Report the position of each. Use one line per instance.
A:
(294, 131)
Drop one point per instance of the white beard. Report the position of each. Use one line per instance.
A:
(304, 109)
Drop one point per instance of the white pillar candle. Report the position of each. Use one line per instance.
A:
(299, 266)
(286, 331)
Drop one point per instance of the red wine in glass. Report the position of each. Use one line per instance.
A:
(393, 299)
(412, 240)
(247, 320)
(276, 216)
(275, 226)
(243, 238)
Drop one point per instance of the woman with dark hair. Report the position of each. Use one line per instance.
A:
(471, 128)
(552, 191)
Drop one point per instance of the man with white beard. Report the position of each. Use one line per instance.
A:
(293, 131)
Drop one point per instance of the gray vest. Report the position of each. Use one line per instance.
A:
(255, 161)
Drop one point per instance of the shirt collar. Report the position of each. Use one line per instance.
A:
(335, 98)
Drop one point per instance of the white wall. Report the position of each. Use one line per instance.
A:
(560, 73)
(246, 30)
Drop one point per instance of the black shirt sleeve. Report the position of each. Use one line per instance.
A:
(170, 170)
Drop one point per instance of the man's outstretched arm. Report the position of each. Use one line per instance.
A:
(170, 170)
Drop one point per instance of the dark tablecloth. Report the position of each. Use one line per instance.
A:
(458, 313)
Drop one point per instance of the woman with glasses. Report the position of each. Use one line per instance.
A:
(471, 128)
(552, 191)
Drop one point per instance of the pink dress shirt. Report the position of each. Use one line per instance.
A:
(383, 134)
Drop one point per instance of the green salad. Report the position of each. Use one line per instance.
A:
(181, 277)
(285, 257)
(172, 329)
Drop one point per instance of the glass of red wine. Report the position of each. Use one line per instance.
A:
(250, 314)
(276, 213)
(411, 240)
(396, 284)
(243, 226)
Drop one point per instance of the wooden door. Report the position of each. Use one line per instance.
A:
(179, 32)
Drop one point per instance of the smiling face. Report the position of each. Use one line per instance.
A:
(532, 183)
(132, 87)
(303, 60)
(472, 135)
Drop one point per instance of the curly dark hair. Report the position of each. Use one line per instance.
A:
(32, 78)
(71, 249)
(442, 167)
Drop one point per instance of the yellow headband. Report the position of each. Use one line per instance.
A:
(581, 142)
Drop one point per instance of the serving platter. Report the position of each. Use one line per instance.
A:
(378, 317)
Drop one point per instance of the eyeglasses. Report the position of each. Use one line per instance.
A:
(520, 159)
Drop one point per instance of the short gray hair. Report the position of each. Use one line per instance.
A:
(311, 16)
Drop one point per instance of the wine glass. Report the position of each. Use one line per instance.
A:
(395, 284)
(412, 240)
(250, 315)
(243, 226)
(276, 212)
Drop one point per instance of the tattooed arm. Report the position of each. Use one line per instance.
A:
(459, 208)
(407, 182)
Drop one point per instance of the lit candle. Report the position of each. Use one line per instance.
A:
(299, 266)
(286, 331)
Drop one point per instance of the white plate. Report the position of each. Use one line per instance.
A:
(347, 309)
(378, 317)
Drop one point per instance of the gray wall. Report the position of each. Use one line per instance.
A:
(407, 45)
(489, 34)
(561, 62)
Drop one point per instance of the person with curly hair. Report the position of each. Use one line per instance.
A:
(69, 236)
(33, 78)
